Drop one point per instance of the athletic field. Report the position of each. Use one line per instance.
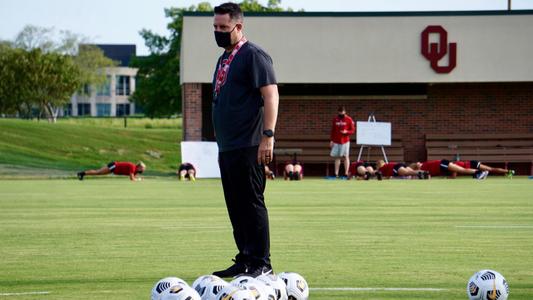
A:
(399, 239)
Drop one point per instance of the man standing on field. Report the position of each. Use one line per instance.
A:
(245, 108)
(341, 129)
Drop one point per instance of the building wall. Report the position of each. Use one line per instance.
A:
(372, 47)
(113, 98)
(449, 108)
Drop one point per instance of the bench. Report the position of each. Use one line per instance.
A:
(315, 150)
(490, 148)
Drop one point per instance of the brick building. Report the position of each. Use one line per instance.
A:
(425, 72)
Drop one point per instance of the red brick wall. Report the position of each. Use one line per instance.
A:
(192, 111)
(449, 108)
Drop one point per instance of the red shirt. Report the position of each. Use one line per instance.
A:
(340, 124)
(353, 167)
(124, 168)
(387, 169)
(432, 167)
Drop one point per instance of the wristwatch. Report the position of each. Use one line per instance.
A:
(269, 133)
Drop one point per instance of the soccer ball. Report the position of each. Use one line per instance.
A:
(297, 288)
(258, 288)
(227, 292)
(164, 284)
(200, 283)
(274, 281)
(487, 285)
(235, 293)
(180, 292)
(213, 288)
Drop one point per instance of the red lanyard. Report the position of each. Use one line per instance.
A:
(223, 67)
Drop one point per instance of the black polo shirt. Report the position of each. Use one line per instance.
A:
(238, 108)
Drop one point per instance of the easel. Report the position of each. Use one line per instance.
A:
(372, 118)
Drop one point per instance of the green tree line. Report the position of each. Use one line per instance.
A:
(157, 83)
(40, 72)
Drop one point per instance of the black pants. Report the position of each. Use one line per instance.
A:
(243, 180)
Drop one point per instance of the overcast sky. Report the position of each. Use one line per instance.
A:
(119, 21)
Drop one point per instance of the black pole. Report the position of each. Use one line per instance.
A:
(509, 5)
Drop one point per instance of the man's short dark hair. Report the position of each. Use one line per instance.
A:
(341, 108)
(233, 9)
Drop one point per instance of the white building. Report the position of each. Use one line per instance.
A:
(111, 99)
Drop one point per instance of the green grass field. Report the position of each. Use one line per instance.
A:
(113, 239)
(40, 149)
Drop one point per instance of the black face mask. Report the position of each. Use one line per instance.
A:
(341, 116)
(224, 38)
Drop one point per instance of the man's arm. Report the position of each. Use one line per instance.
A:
(271, 102)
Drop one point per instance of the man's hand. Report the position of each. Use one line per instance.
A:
(266, 150)
(344, 131)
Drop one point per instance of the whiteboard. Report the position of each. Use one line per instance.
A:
(204, 157)
(374, 133)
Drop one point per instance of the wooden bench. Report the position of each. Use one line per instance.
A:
(315, 150)
(490, 148)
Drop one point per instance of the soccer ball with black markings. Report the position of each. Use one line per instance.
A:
(297, 288)
(200, 284)
(180, 292)
(487, 285)
(164, 284)
(279, 286)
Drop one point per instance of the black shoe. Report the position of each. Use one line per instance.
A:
(236, 269)
(426, 175)
(420, 175)
(379, 175)
(80, 175)
(255, 271)
(367, 176)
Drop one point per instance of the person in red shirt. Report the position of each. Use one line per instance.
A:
(117, 168)
(341, 129)
(363, 170)
(393, 169)
(444, 167)
(475, 164)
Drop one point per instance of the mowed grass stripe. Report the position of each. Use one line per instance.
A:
(113, 239)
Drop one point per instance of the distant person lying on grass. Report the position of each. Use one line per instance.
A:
(117, 168)
(475, 164)
(399, 170)
(444, 167)
(363, 170)
(187, 170)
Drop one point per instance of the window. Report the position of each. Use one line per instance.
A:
(123, 109)
(103, 109)
(123, 86)
(84, 109)
(105, 88)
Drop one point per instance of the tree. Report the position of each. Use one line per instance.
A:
(157, 90)
(37, 70)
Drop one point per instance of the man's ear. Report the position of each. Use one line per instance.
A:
(239, 26)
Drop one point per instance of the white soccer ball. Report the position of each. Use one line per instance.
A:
(239, 294)
(487, 285)
(213, 288)
(200, 283)
(258, 288)
(279, 286)
(297, 288)
(180, 292)
(164, 284)
(227, 292)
